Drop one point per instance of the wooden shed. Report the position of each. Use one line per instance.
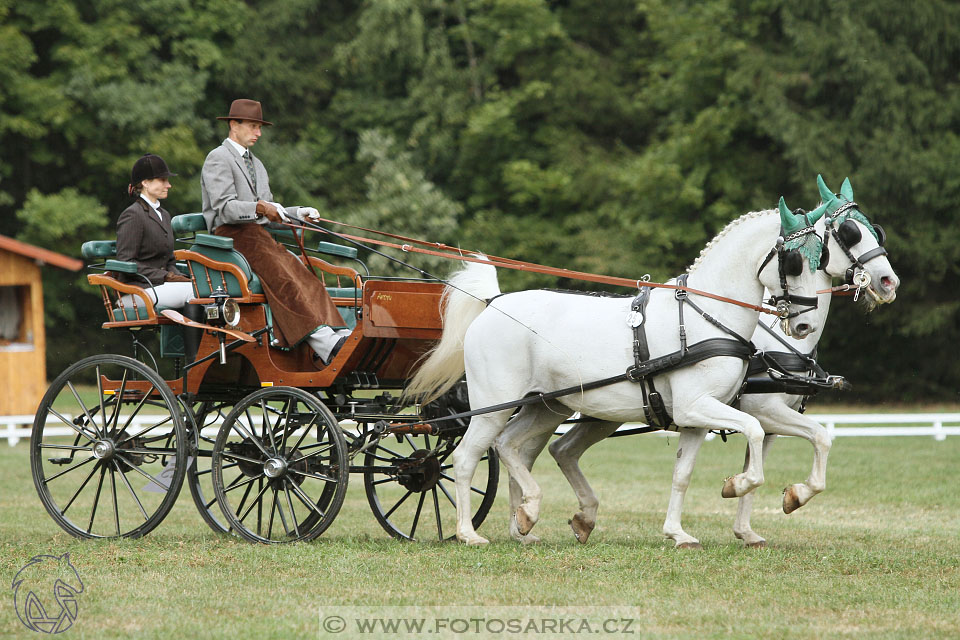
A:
(23, 344)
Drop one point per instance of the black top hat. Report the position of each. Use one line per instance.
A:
(149, 167)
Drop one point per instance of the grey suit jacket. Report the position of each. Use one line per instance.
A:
(143, 238)
(227, 190)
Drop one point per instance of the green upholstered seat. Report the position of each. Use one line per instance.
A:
(120, 266)
(98, 249)
(188, 223)
(344, 292)
(337, 250)
(221, 249)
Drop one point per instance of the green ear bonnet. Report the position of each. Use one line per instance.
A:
(843, 201)
(798, 232)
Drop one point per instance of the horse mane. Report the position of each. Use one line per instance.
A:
(727, 229)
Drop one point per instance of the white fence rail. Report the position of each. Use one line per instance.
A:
(937, 425)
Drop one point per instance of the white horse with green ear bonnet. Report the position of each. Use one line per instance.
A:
(540, 341)
(856, 248)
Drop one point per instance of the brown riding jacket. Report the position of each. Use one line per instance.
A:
(144, 238)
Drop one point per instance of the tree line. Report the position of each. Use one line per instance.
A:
(616, 137)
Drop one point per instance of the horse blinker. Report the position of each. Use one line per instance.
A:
(792, 263)
(849, 233)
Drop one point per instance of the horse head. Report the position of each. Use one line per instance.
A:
(793, 273)
(853, 247)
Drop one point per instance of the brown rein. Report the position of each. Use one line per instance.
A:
(453, 253)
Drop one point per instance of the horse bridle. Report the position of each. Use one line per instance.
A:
(785, 300)
(857, 273)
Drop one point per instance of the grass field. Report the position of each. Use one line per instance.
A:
(875, 556)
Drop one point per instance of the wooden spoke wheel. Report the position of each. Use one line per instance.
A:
(108, 463)
(280, 466)
(410, 486)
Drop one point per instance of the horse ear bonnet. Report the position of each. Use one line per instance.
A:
(881, 235)
(849, 233)
(792, 263)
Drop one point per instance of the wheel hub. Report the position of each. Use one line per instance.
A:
(104, 450)
(275, 467)
(420, 472)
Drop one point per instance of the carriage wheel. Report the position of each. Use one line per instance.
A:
(199, 474)
(108, 463)
(410, 486)
(280, 466)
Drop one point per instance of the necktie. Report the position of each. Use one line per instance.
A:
(248, 160)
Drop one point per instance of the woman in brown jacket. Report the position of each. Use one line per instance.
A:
(144, 236)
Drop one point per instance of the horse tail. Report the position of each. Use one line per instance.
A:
(464, 298)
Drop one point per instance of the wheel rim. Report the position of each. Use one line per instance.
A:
(108, 462)
(411, 488)
(279, 465)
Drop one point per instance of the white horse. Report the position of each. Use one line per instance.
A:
(534, 342)
(856, 248)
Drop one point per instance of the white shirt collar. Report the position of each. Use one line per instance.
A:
(156, 207)
(236, 145)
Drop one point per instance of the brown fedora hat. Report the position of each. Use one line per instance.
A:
(244, 109)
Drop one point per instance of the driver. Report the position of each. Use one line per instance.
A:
(237, 202)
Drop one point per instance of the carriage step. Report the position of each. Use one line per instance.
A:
(60, 461)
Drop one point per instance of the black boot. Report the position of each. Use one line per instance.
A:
(191, 336)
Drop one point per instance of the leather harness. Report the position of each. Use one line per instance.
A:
(644, 368)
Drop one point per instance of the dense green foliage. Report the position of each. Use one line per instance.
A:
(615, 137)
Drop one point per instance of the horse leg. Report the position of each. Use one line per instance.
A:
(524, 438)
(707, 412)
(567, 451)
(518, 446)
(741, 526)
(480, 435)
(687, 449)
(782, 420)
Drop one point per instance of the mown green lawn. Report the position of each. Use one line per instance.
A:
(875, 556)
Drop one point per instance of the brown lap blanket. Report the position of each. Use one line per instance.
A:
(298, 300)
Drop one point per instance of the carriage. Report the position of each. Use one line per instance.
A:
(264, 438)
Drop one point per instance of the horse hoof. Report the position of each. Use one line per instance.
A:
(581, 528)
(524, 522)
(529, 539)
(689, 545)
(758, 544)
(791, 502)
(473, 541)
(729, 488)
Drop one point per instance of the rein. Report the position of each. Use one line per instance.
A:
(519, 265)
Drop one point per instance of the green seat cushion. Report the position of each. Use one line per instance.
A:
(343, 292)
(188, 223)
(217, 242)
(129, 313)
(337, 250)
(98, 249)
(120, 266)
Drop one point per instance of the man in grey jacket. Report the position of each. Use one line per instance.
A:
(237, 202)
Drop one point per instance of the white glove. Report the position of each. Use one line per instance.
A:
(281, 211)
(308, 212)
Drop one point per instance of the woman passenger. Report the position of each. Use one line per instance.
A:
(145, 236)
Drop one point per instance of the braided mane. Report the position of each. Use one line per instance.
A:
(730, 225)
